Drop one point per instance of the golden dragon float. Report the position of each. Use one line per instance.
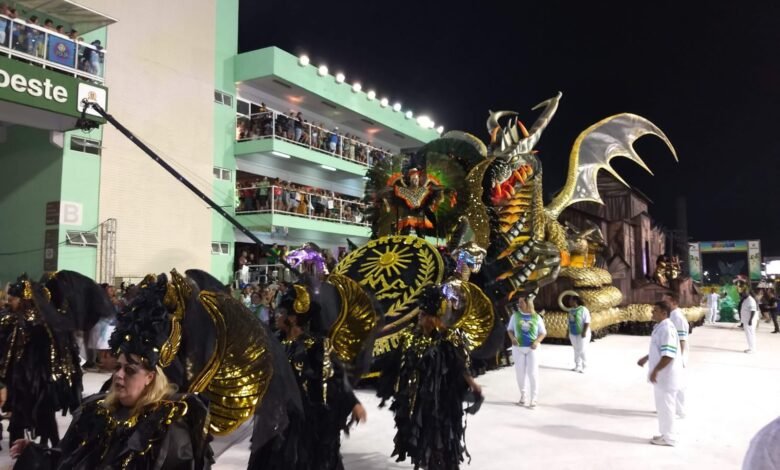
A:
(470, 217)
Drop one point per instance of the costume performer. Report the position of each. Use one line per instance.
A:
(426, 377)
(579, 329)
(39, 364)
(141, 423)
(328, 399)
(527, 331)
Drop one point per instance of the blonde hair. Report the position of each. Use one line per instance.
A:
(158, 389)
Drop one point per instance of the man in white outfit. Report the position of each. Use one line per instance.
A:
(664, 364)
(712, 306)
(748, 315)
(681, 324)
(579, 331)
(526, 330)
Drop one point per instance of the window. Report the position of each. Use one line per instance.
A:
(220, 248)
(79, 144)
(78, 238)
(222, 174)
(242, 107)
(223, 98)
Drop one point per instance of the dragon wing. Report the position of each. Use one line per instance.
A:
(592, 151)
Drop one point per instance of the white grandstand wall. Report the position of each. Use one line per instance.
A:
(160, 76)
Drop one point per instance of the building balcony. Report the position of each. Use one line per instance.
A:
(37, 45)
(301, 211)
(283, 82)
(275, 125)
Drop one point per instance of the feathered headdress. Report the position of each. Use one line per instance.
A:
(143, 327)
(432, 301)
(22, 288)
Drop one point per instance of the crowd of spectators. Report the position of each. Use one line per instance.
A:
(293, 127)
(261, 193)
(28, 35)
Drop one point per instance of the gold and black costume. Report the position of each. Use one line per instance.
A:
(39, 364)
(425, 377)
(312, 440)
(166, 435)
(169, 433)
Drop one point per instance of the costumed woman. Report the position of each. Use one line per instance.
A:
(428, 381)
(39, 366)
(141, 423)
(328, 398)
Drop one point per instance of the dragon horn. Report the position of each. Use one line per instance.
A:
(551, 105)
(493, 126)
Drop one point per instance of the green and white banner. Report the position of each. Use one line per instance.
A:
(30, 85)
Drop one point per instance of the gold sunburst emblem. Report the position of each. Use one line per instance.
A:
(390, 262)
(394, 269)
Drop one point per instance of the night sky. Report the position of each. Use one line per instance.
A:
(707, 75)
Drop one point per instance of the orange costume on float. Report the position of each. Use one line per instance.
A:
(417, 199)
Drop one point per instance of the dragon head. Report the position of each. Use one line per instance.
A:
(513, 148)
(309, 254)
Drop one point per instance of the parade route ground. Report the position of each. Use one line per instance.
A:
(602, 419)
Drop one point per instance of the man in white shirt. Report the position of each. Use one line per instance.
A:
(748, 315)
(712, 306)
(526, 330)
(579, 331)
(664, 364)
(681, 324)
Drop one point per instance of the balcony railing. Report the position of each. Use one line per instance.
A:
(279, 200)
(50, 49)
(262, 273)
(275, 125)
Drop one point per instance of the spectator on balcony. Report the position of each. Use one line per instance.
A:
(73, 34)
(293, 198)
(306, 138)
(281, 125)
(242, 129)
(314, 138)
(346, 214)
(4, 23)
(318, 202)
(60, 29)
(247, 197)
(345, 145)
(279, 196)
(305, 204)
(333, 140)
(48, 24)
(298, 126)
(290, 126)
(262, 193)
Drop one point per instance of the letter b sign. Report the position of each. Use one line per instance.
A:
(71, 213)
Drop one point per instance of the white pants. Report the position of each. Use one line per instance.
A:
(679, 397)
(580, 344)
(665, 403)
(712, 317)
(750, 332)
(525, 364)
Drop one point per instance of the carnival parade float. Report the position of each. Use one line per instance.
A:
(469, 217)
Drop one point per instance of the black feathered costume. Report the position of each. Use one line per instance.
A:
(425, 377)
(312, 441)
(39, 363)
(168, 434)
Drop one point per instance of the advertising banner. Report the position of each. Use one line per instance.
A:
(754, 259)
(61, 51)
(694, 262)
